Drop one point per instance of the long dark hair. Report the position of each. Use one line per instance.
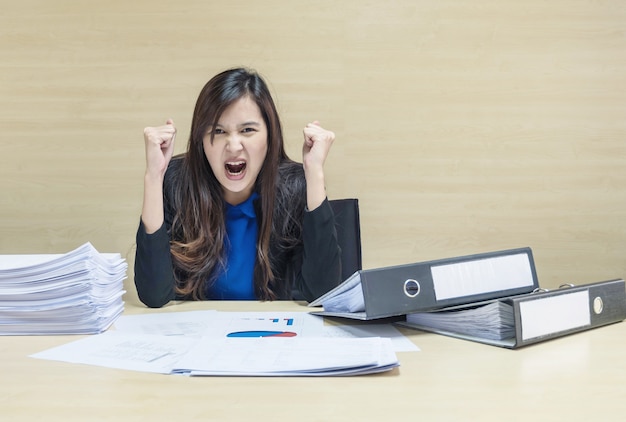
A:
(198, 249)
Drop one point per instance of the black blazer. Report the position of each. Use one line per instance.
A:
(306, 263)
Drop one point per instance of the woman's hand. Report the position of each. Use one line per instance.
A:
(159, 148)
(317, 143)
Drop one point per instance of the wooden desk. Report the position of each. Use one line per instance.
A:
(577, 378)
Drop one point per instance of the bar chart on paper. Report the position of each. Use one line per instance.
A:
(273, 327)
(261, 333)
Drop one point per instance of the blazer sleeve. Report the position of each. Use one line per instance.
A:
(154, 272)
(154, 275)
(321, 255)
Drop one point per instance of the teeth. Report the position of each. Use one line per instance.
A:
(235, 167)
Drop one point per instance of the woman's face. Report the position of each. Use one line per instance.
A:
(238, 150)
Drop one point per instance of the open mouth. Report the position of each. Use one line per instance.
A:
(235, 168)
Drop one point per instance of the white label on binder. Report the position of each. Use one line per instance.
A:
(481, 276)
(554, 314)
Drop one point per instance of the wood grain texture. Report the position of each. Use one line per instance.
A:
(573, 378)
(462, 127)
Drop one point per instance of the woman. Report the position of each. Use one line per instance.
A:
(234, 217)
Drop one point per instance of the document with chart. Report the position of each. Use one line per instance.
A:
(211, 343)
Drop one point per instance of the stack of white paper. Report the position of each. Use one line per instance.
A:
(79, 292)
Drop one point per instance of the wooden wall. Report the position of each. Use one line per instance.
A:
(462, 126)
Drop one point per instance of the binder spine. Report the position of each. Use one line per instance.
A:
(604, 303)
(404, 289)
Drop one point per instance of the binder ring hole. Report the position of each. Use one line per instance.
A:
(598, 305)
(411, 288)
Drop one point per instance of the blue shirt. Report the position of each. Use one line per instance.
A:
(237, 281)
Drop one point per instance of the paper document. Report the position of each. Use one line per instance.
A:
(130, 351)
(192, 323)
(259, 356)
(79, 292)
(399, 342)
(202, 343)
(224, 324)
(255, 324)
(347, 297)
(265, 356)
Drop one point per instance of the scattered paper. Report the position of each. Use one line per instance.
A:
(211, 343)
